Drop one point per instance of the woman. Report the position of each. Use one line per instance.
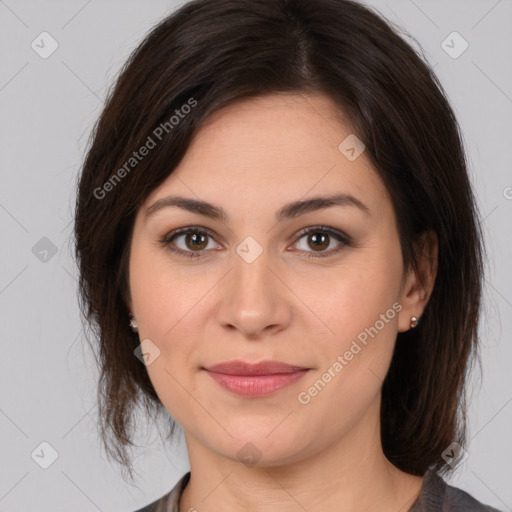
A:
(278, 243)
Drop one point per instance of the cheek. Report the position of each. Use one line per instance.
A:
(174, 390)
(360, 307)
(354, 363)
(353, 297)
(162, 294)
(166, 304)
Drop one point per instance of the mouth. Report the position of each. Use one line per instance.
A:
(255, 380)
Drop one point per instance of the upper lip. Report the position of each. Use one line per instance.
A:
(261, 368)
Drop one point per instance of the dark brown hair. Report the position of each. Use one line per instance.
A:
(217, 52)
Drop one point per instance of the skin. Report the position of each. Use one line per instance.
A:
(251, 158)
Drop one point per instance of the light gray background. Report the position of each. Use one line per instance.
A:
(48, 107)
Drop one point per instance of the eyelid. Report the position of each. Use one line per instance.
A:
(167, 239)
(340, 236)
(324, 229)
(343, 239)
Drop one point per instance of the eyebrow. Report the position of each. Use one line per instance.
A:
(289, 211)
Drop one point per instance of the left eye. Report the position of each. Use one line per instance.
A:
(320, 238)
(195, 241)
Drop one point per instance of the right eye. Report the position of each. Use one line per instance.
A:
(194, 240)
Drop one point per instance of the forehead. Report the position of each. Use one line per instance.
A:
(270, 150)
(291, 124)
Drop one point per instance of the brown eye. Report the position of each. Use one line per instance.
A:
(318, 241)
(196, 240)
(190, 242)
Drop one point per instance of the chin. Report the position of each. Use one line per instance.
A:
(257, 448)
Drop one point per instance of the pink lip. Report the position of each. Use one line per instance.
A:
(254, 380)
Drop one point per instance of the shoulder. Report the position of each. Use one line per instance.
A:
(458, 500)
(168, 502)
(437, 495)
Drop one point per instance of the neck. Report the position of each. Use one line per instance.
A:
(350, 475)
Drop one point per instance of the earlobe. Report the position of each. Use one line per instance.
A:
(419, 282)
(134, 324)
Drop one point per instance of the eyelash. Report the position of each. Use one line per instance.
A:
(340, 237)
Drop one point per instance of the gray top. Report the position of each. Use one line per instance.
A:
(435, 496)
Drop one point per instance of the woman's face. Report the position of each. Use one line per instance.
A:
(251, 287)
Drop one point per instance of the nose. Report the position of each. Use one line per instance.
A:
(253, 299)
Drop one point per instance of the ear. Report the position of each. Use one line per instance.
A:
(419, 283)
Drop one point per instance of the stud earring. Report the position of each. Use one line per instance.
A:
(133, 324)
(414, 322)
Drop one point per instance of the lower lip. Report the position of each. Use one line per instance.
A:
(256, 385)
